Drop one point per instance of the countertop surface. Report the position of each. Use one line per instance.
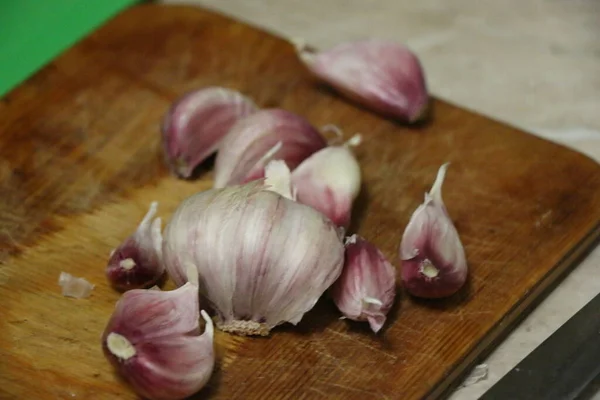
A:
(534, 64)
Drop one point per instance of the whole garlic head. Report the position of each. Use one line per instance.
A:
(262, 259)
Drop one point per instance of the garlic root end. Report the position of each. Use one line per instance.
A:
(127, 263)
(119, 346)
(429, 270)
(244, 328)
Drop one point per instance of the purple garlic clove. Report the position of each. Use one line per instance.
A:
(261, 137)
(197, 122)
(366, 289)
(153, 341)
(433, 258)
(383, 76)
(329, 181)
(137, 262)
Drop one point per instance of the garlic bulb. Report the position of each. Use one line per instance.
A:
(153, 341)
(329, 181)
(197, 122)
(261, 137)
(366, 289)
(262, 258)
(137, 262)
(383, 76)
(433, 258)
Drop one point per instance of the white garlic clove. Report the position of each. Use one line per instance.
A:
(262, 259)
(383, 76)
(196, 123)
(329, 181)
(433, 258)
(261, 137)
(366, 289)
(153, 340)
(137, 262)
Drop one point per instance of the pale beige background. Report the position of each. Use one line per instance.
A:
(534, 64)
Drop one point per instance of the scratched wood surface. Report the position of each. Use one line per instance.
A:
(80, 161)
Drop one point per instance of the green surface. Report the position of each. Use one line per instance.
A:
(33, 32)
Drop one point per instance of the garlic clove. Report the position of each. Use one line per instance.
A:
(262, 259)
(329, 181)
(366, 289)
(137, 262)
(156, 313)
(433, 258)
(260, 137)
(383, 76)
(153, 341)
(196, 123)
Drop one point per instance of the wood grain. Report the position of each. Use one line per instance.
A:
(80, 162)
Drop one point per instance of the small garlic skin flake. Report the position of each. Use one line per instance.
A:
(278, 179)
(433, 258)
(366, 289)
(78, 288)
(382, 76)
(262, 258)
(196, 123)
(137, 262)
(329, 181)
(261, 137)
(153, 340)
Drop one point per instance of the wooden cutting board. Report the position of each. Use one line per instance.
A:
(80, 162)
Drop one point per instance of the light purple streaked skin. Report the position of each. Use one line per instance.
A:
(433, 258)
(383, 76)
(196, 123)
(367, 275)
(325, 200)
(329, 181)
(241, 157)
(172, 360)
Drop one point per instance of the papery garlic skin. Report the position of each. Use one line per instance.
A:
(72, 286)
(329, 181)
(137, 262)
(261, 137)
(366, 289)
(278, 179)
(433, 258)
(196, 123)
(262, 259)
(153, 340)
(383, 76)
